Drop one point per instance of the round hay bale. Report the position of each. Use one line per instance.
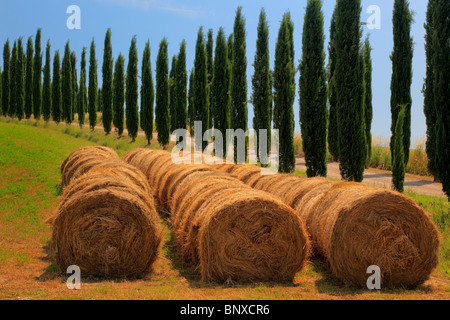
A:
(354, 226)
(280, 185)
(300, 188)
(103, 152)
(245, 172)
(195, 191)
(171, 179)
(107, 231)
(186, 232)
(250, 236)
(128, 157)
(263, 183)
(223, 167)
(156, 168)
(81, 165)
(185, 185)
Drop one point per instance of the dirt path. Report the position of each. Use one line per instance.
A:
(382, 178)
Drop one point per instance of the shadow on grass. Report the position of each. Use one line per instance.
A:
(329, 284)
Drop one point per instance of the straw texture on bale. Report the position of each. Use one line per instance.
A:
(354, 226)
(78, 157)
(106, 222)
(223, 228)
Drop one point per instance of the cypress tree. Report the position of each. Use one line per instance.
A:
(428, 91)
(368, 95)
(29, 80)
(100, 101)
(12, 79)
(162, 111)
(147, 94)
(181, 89)
(333, 147)
(284, 94)
(20, 77)
(107, 83)
(350, 91)
(190, 112)
(313, 91)
(82, 95)
(441, 67)
(37, 76)
(210, 64)
(67, 85)
(73, 64)
(230, 46)
(56, 90)
(221, 98)
(398, 162)
(239, 116)
(172, 94)
(6, 76)
(401, 73)
(47, 86)
(201, 94)
(92, 90)
(261, 85)
(1, 92)
(131, 97)
(119, 94)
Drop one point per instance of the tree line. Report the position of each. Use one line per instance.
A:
(335, 98)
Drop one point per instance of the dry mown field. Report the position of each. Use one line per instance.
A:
(30, 192)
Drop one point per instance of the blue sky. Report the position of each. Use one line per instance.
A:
(177, 20)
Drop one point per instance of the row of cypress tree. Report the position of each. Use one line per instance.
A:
(215, 92)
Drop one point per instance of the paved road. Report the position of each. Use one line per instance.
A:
(382, 178)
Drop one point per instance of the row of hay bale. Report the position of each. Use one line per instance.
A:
(354, 226)
(223, 228)
(106, 222)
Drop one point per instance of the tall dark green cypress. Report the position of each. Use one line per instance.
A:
(349, 80)
(82, 93)
(441, 67)
(210, 63)
(162, 111)
(29, 80)
(201, 94)
(6, 76)
(37, 76)
(92, 89)
(20, 80)
(131, 96)
(239, 113)
(401, 72)
(56, 90)
(261, 85)
(190, 111)
(107, 83)
(368, 95)
(181, 89)
(47, 86)
(67, 85)
(428, 92)
(221, 98)
(119, 94)
(313, 92)
(284, 94)
(73, 64)
(398, 162)
(173, 94)
(147, 94)
(12, 79)
(333, 146)
(100, 101)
